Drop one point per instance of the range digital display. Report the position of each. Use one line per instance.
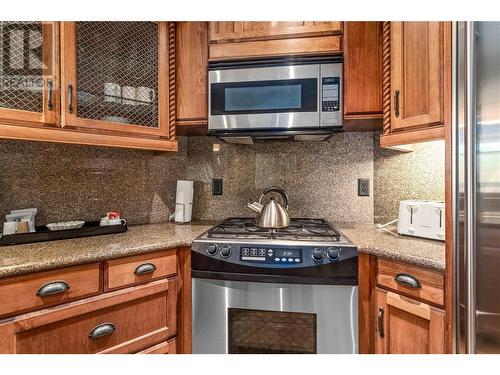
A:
(287, 253)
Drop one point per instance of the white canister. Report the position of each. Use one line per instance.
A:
(145, 95)
(184, 201)
(128, 95)
(112, 92)
(9, 227)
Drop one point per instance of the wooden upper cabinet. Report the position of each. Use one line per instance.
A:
(246, 40)
(420, 82)
(237, 31)
(362, 46)
(407, 326)
(115, 77)
(191, 76)
(29, 66)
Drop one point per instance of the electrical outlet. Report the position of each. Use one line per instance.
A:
(216, 186)
(363, 187)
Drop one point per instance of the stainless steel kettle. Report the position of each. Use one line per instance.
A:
(273, 214)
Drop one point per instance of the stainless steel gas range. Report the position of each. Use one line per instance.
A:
(289, 290)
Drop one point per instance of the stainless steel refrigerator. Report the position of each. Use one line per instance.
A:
(476, 190)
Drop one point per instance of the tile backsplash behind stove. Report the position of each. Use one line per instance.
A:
(319, 177)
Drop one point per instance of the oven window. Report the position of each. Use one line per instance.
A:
(293, 95)
(271, 332)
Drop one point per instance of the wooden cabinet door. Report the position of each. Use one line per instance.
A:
(115, 77)
(420, 74)
(362, 46)
(407, 326)
(235, 31)
(191, 73)
(29, 70)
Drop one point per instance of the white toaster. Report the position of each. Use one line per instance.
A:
(422, 219)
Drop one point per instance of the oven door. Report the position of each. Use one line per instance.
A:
(279, 97)
(254, 317)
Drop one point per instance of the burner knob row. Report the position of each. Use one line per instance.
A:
(225, 251)
(332, 253)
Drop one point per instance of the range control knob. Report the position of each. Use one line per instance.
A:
(333, 253)
(212, 249)
(318, 255)
(225, 251)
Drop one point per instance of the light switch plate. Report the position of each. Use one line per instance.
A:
(216, 186)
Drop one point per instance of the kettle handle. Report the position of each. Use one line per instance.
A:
(276, 189)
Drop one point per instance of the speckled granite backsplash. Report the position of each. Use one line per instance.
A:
(399, 176)
(320, 177)
(70, 182)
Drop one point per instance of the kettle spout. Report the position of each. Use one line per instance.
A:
(255, 206)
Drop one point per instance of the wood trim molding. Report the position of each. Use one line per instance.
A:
(386, 76)
(57, 135)
(184, 301)
(319, 45)
(411, 306)
(172, 107)
(414, 136)
(367, 266)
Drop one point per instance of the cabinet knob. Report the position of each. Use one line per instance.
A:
(53, 287)
(102, 330)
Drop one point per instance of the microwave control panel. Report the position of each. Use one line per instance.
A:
(330, 94)
(330, 98)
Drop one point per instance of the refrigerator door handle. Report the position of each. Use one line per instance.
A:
(470, 187)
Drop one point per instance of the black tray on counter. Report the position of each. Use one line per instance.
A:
(90, 228)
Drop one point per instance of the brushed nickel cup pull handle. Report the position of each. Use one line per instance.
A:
(53, 287)
(407, 280)
(102, 330)
(145, 268)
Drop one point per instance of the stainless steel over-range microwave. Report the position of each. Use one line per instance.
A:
(298, 98)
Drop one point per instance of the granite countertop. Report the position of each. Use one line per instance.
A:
(41, 256)
(23, 259)
(417, 251)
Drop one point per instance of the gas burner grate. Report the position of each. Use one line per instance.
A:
(301, 229)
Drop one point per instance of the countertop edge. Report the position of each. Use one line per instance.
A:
(405, 258)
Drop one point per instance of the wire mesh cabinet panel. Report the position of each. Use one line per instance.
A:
(119, 77)
(29, 87)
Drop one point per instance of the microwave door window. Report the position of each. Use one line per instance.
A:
(264, 97)
(282, 97)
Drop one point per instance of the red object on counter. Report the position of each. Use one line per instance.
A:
(113, 215)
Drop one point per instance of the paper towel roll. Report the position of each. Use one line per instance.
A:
(184, 201)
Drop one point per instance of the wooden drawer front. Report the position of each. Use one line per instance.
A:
(19, 294)
(166, 347)
(126, 271)
(136, 318)
(431, 283)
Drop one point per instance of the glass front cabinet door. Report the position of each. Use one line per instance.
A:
(28, 73)
(115, 77)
